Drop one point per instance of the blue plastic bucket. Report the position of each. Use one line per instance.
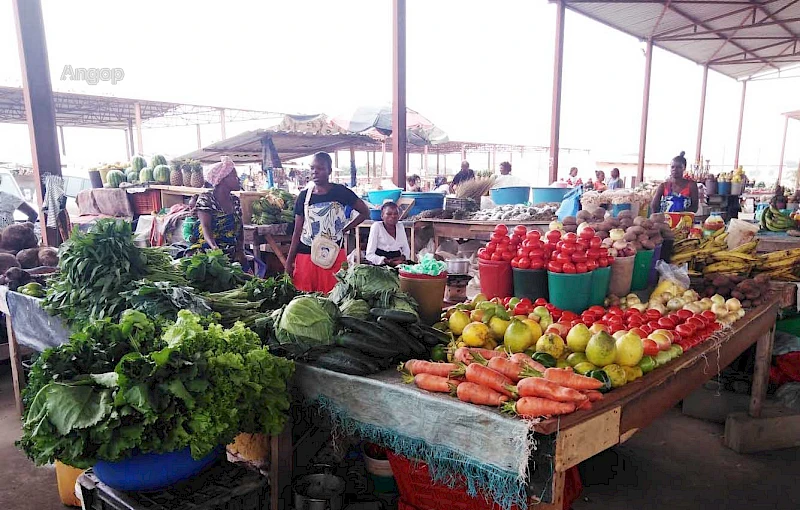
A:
(152, 471)
(511, 195)
(378, 196)
(542, 195)
(375, 214)
(424, 201)
(618, 208)
(724, 188)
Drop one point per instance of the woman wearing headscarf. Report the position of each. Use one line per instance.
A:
(219, 213)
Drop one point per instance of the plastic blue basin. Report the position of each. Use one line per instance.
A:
(152, 471)
(511, 195)
(618, 208)
(424, 201)
(378, 196)
(375, 214)
(542, 195)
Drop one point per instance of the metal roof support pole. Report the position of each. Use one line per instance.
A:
(353, 169)
(555, 116)
(698, 155)
(425, 160)
(783, 147)
(463, 153)
(127, 144)
(137, 111)
(336, 159)
(199, 142)
(648, 66)
(61, 139)
(39, 107)
(383, 159)
(222, 123)
(368, 166)
(130, 138)
(437, 162)
(374, 167)
(741, 123)
(399, 156)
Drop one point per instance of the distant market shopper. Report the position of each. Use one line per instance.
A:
(463, 175)
(388, 243)
(677, 194)
(219, 213)
(615, 182)
(320, 224)
(9, 203)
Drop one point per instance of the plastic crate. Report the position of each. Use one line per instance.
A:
(224, 486)
(456, 204)
(145, 202)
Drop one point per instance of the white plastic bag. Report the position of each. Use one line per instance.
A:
(740, 232)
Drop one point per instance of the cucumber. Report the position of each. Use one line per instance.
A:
(440, 336)
(376, 333)
(398, 316)
(397, 331)
(365, 345)
(420, 335)
(342, 360)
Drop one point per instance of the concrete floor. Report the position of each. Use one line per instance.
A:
(676, 463)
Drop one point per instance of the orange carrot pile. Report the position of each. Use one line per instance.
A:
(511, 369)
(418, 366)
(534, 407)
(593, 395)
(435, 383)
(525, 360)
(489, 378)
(464, 354)
(481, 395)
(566, 377)
(538, 387)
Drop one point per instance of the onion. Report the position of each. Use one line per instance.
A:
(616, 234)
(705, 303)
(633, 298)
(675, 304)
(639, 306)
(661, 308)
(719, 310)
(733, 305)
(690, 295)
(581, 227)
(692, 307)
(665, 296)
(740, 312)
(717, 299)
(619, 245)
(555, 225)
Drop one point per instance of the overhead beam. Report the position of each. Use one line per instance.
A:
(741, 123)
(771, 16)
(739, 56)
(399, 161)
(718, 31)
(555, 114)
(698, 154)
(222, 123)
(648, 66)
(38, 95)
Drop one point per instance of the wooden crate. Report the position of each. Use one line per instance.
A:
(786, 293)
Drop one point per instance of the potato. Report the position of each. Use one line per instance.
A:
(28, 258)
(642, 238)
(636, 229)
(625, 223)
(648, 224)
(648, 245)
(570, 220)
(583, 215)
(625, 214)
(599, 213)
(658, 217)
(602, 234)
(652, 232)
(639, 220)
(748, 304)
(7, 261)
(629, 236)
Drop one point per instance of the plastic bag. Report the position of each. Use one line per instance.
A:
(789, 395)
(427, 265)
(740, 232)
(672, 279)
(571, 203)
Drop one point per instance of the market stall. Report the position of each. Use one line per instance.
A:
(469, 229)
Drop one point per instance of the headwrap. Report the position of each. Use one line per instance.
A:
(218, 171)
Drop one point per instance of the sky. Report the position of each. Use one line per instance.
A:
(482, 71)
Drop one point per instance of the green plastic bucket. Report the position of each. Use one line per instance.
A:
(570, 291)
(600, 278)
(641, 269)
(530, 283)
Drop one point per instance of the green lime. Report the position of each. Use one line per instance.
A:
(576, 358)
(647, 364)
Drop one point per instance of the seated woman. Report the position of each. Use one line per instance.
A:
(219, 214)
(387, 242)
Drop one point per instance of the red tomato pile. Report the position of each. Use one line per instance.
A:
(502, 246)
(573, 253)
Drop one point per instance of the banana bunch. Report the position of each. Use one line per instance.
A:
(697, 250)
(740, 260)
(774, 220)
(780, 265)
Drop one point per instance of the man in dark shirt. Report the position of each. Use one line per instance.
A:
(463, 175)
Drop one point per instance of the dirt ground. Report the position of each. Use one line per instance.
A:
(678, 462)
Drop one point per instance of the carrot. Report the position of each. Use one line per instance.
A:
(465, 354)
(435, 383)
(533, 407)
(568, 378)
(511, 369)
(593, 395)
(477, 394)
(485, 376)
(538, 387)
(418, 366)
(524, 359)
(585, 405)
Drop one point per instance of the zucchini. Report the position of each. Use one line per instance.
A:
(441, 336)
(365, 345)
(397, 316)
(397, 331)
(374, 332)
(342, 360)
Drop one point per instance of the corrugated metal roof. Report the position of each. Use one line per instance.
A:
(737, 38)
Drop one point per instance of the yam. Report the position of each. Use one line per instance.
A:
(638, 221)
(753, 294)
(658, 217)
(625, 214)
(570, 228)
(583, 215)
(629, 236)
(18, 236)
(652, 232)
(602, 234)
(738, 295)
(648, 225)
(7, 261)
(720, 281)
(642, 238)
(599, 213)
(28, 258)
(648, 245)
(747, 303)
(636, 229)
(625, 223)
(48, 256)
(570, 220)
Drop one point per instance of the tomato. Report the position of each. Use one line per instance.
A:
(684, 314)
(554, 266)
(610, 260)
(507, 255)
(708, 314)
(587, 233)
(615, 310)
(666, 323)
(524, 263)
(537, 264)
(596, 310)
(497, 257)
(616, 319)
(533, 235)
(591, 265)
(551, 247)
(526, 300)
(579, 256)
(581, 246)
(568, 248)
(536, 244)
(550, 307)
(580, 267)
(569, 268)
(685, 330)
(595, 242)
(571, 316)
(520, 230)
(556, 313)
(523, 308)
(516, 238)
(536, 253)
(696, 322)
(503, 240)
(571, 237)
(650, 347)
(491, 246)
(602, 261)
(497, 237)
(553, 236)
(484, 254)
(646, 328)
(613, 328)
(540, 302)
(587, 319)
(501, 229)
(652, 314)
(563, 258)
(676, 319)
(523, 252)
(515, 262)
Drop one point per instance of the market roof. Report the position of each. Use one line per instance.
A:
(738, 38)
(793, 115)
(296, 136)
(85, 110)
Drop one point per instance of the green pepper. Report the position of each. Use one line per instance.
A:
(545, 359)
(32, 289)
(439, 353)
(602, 376)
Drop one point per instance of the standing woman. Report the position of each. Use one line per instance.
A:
(320, 224)
(677, 194)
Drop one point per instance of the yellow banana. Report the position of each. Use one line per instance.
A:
(781, 254)
(733, 256)
(749, 247)
(776, 264)
(727, 267)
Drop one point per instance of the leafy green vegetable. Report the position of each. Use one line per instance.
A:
(165, 299)
(378, 286)
(357, 308)
(212, 271)
(120, 387)
(306, 322)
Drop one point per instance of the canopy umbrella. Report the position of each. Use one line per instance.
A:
(376, 121)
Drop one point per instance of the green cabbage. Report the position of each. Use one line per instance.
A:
(305, 323)
(357, 308)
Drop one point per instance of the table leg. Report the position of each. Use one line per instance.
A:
(559, 481)
(761, 372)
(280, 468)
(358, 244)
(275, 248)
(257, 247)
(413, 254)
(17, 374)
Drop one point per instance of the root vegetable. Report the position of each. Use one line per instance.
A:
(538, 387)
(7, 261)
(566, 377)
(418, 366)
(487, 377)
(534, 407)
(435, 383)
(477, 394)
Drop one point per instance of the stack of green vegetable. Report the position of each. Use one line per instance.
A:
(122, 388)
(277, 206)
(362, 287)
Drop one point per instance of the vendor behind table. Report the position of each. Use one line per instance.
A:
(387, 243)
(677, 194)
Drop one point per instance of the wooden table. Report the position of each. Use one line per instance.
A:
(467, 229)
(366, 224)
(775, 242)
(274, 236)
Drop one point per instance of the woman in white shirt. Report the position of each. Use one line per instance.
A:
(387, 242)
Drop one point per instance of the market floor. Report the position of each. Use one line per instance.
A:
(677, 462)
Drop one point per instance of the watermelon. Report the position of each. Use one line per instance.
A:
(158, 159)
(146, 174)
(161, 174)
(138, 162)
(132, 175)
(115, 178)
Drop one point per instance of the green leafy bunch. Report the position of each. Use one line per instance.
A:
(120, 388)
(212, 271)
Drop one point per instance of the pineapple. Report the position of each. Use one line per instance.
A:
(197, 181)
(186, 174)
(175, 176)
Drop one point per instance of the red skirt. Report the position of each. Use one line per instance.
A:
(309, 277)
